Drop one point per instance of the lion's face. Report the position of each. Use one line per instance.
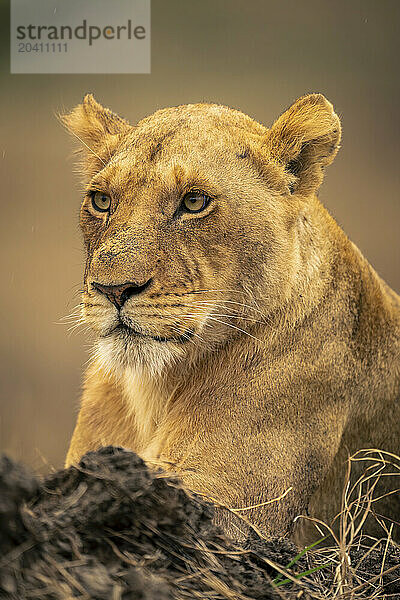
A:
(189, 221)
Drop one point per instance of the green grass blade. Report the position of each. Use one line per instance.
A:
(300, 575)
(297, 558)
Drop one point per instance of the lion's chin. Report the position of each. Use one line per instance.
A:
(124, 348)
(130, 333)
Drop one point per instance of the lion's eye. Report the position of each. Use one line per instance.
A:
(101, 202)
(195, 202)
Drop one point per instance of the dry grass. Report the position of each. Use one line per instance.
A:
(343, 571)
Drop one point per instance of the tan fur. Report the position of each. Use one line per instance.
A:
(293, 360)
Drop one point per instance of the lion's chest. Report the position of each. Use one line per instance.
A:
(146, 402)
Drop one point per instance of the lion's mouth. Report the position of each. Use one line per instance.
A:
(128, 331)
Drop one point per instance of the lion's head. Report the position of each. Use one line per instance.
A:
(191, 216)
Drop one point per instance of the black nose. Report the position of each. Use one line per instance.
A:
(119, 294)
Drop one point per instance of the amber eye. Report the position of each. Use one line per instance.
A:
(101, 202)
(195, 202)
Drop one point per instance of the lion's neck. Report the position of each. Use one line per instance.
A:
(311, 266)
(146, 397)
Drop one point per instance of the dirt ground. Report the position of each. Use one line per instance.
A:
(113, 530)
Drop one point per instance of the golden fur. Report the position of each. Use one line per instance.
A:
(267, 348)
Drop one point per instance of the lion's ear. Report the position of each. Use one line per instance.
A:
(98, 130)
(304, 140)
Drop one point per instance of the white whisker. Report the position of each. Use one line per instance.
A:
(88, 147)
(236, 315)
(228, 315)
(231, 302)
(230, 325)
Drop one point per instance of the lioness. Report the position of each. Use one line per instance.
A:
(242, 340)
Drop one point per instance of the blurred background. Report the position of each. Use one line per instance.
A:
(257, 56)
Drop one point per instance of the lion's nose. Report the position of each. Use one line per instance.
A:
(119, 294)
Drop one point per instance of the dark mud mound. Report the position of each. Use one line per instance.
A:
(113, 530)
